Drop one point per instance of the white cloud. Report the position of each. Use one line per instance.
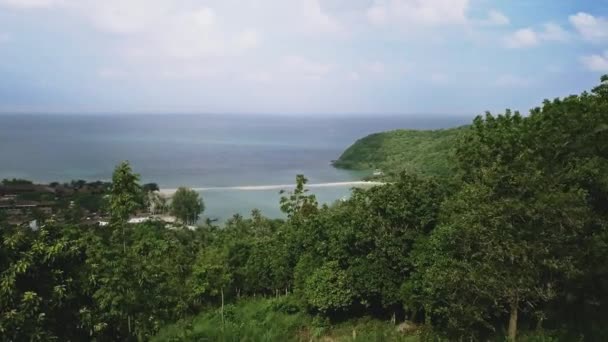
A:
(294, 17)
(495, 18)
(316, 20)
(236, 41)
(162, 33)
(596, 62)
(418, 12)
(376, 67)
(303, 68)
(554, 32)
(189, 35)
(509, 80)
(5, 37)
(438, 78)
(590, 28)
(554, 68)
(528, 37)
(377, 14)
(522, 38)
(189, 71)
(354, 76)
(111, 73)
(28, 4)
(259, 77)
(124, 16)
(247, 39)
(185, 39)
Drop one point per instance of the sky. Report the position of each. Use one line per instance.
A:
(298, 56)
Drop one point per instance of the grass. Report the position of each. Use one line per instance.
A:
(281, 319)
(251, 320)
(277, 319)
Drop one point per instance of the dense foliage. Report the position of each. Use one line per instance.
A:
(187, 205)
(425, 152)
(512, 244)
(70, 283)
(15, 181)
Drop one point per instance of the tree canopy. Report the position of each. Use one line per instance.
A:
(187, 205)
(125, 193)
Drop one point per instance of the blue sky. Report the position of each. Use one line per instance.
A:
(297, 56)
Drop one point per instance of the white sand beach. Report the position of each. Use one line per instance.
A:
(169, 192)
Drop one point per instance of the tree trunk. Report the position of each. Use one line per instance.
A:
(513, 322)
(124, 241)
(222, 311)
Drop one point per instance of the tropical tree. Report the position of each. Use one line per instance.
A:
(41, 284)
(498, 255)
(125, 193)
(328, 289)
(506, 239)
(368, 238)
(211, 277)
(156, 202)
(134, 292)
(298, 202)
(187, 205)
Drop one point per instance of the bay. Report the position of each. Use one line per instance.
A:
(197, 150)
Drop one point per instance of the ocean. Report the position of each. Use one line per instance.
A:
(241, 157)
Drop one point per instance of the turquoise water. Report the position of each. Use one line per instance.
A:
(195, 151)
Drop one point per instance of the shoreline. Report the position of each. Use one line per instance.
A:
(169, 192)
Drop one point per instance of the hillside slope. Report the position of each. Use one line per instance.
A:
(424, 152)
(278, 319)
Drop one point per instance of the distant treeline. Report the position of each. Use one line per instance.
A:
(513, 243)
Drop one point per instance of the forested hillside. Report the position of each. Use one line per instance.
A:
(425, 152)
(513, 246)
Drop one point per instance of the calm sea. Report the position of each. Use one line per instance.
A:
(196, 151)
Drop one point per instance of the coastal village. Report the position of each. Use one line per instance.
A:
(25, 203)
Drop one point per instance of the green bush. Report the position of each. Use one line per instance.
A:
(251, 320)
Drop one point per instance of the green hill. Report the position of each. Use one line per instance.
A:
(425, 152)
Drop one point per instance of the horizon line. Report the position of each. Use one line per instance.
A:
(326, 114)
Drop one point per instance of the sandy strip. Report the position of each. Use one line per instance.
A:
(170, 192)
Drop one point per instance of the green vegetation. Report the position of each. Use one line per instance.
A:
(76, 201)
(187, 206)
(125, 193)
(276, 319)
(15, 181)
(253, 320)
(150, 187)
(512, 246)
(424, 152)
